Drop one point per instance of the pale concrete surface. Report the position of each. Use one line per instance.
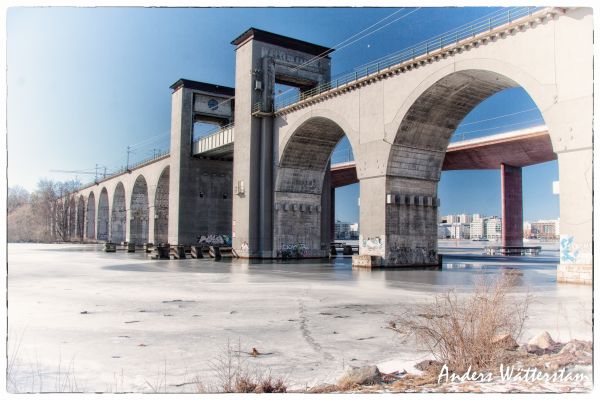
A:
(313, 318)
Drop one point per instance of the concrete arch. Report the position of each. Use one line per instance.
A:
(90, 228)
(139, 212)
(80, 228)
(161, 208)
(324, 113)
(103, 220)
(425, 128)
(421, 131)
(118, 219)
(302, 205)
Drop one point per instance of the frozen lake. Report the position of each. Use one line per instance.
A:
(123, 322)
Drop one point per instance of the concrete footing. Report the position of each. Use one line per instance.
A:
(196, 252)
(110, 247)
(131, 247)
(161, 252)
(369, 262)
(574, 273)
(365, 261)
(178, 252)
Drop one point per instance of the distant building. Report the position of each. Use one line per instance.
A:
(526, 229)
(459, 230)
(354, 230)
(493, 228)
(476, 217)
(465, 218)
(477, 230)
(545, 229)
(444, 231)
(345, 230)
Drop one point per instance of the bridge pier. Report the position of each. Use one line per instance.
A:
(512, 205)
(576, 239)
(398, 222)
(199, 199)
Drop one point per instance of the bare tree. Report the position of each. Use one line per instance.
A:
(48, 216)
(17, 196)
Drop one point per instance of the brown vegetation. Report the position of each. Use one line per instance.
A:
(469, 330)
(45, 215)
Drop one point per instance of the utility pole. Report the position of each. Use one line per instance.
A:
(127, 165)
(96, 179)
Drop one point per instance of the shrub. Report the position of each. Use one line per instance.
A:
(463, 331)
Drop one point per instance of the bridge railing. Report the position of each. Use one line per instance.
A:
(149, 160)
(450, 38)
(221, 136)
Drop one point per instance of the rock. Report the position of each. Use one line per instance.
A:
(577, 348)
(427, 365)
(542, 341)
(355, 376)
(506, 341)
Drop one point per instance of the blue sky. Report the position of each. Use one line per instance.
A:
(85, 83)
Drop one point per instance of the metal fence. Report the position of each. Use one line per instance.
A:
(450, 38)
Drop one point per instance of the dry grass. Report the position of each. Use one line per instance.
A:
(235, 376)
(462, 331)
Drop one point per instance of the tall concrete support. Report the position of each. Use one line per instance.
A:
(332, 215)
(328, 208)
(576, 239)
(259, 230)
(199, 189)
(90, 217)
(512, 205)
(398, 222)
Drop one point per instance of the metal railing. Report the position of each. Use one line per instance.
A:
(220, 137)
(149, 160)
(450, 38)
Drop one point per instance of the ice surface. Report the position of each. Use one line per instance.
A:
(123, 322)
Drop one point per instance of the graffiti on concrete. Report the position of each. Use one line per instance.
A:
(215, 240)
(244, 246)
(294, 250)
(375, 243)
(568, 251)
(372, 245)
(412, 255)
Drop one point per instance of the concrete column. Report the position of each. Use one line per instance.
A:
(512, 205)
(327, 207)
(576, 239)
(247, 148)
(398, 222)
(128, 218)
(265, 208)
(181, 141)
(332, 216)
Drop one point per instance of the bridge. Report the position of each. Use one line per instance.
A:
(266, 181)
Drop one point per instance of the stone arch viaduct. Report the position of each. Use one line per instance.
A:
(269, 188)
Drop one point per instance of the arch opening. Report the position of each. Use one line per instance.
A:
(475, 212)
(416, 158)
(161, 208)
(138, 227)
(118, 224)
(303, 220)
(91, 217)
(103, 215)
